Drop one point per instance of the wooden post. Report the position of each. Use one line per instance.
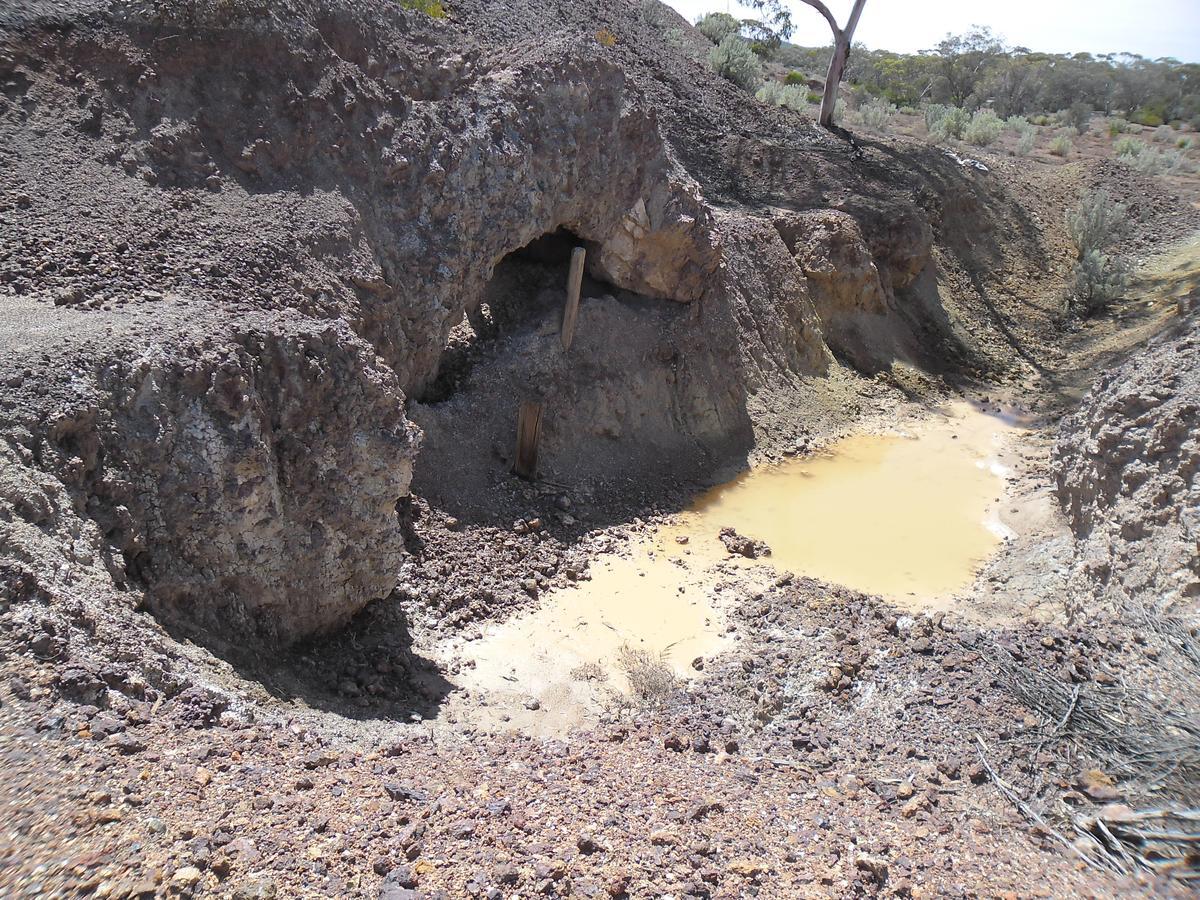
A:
(529, 432)
(574, 286)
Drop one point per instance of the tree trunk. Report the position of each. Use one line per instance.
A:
(833, 80)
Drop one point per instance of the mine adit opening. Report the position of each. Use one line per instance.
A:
(527, 287)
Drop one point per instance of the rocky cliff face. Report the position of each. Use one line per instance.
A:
(1129, 476)
(225, 283)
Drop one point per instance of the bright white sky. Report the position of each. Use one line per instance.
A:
(1152, 28)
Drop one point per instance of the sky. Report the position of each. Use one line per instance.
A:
(1152, 28)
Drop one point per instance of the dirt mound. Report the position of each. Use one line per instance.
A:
(1127, 476)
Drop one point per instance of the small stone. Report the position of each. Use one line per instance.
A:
(533, 703)
(318, 759)
(401, 876)
(187, 877)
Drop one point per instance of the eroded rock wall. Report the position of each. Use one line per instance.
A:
(1128, 476)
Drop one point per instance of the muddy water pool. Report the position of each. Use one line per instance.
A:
(909, 514)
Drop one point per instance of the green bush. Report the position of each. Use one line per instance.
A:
(795, 77)
(1164, 133)
(1018, 124)
(1128, 147)
(1061, 145)
(1117, 125)
(1147, 116)
(876, 114)
(1184, 143)
(1094, 226)
(718, 26)
(945, 122)
(909, 111)
(733, 60)
(782, 95)
(1099, 279)
(1078, 116)
(984, 129)
(813, 97)
(1042, 120)
(1025, 142)
(1153, 161)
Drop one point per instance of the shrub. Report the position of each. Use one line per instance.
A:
(1025, 142)
(794, 77)
(718, 26)
(606, 38)
(650, 679)
(1153, 161)
(945, 122)
(1146, 116)
(1018, 124)
(782, 95)
(652, 12)
(432, 8)
(1099, 279)
(733, 59)
(1078, 116)
(876, 114)
(1164, 133)
(1184, 143)
(1117, 125)
(1040, 120)
(1094, 226)
(1096, 223)
(909, 111)
(984, 129)
(1128, 148)
(1061, 145)
(813, 97)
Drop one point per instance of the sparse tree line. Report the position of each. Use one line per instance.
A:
(971, 71)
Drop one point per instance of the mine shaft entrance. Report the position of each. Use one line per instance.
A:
(527, 287)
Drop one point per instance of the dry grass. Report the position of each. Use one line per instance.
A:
(650, 678)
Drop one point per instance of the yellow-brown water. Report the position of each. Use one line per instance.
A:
(909, 515)
(905, 516)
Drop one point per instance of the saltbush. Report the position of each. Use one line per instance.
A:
(782, 95)
(876, 114)
(1117, 125)
(733, 60)
(1128, 148)
(1061, 145)
(1153, 161)
(1094, 226)
(1025, 142)
(945, 122)
(1164, 133)
(984, 129)
(794, 77)
(718, 26)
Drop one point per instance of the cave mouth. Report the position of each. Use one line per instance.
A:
(527, 286)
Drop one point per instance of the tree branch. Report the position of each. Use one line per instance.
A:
(824, 10)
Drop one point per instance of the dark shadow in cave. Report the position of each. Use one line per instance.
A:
(527, 286)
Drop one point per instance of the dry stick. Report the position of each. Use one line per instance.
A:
(574, 287)
(1029, 812)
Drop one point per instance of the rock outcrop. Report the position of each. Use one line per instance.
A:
(231, 284)
(1129, 476)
